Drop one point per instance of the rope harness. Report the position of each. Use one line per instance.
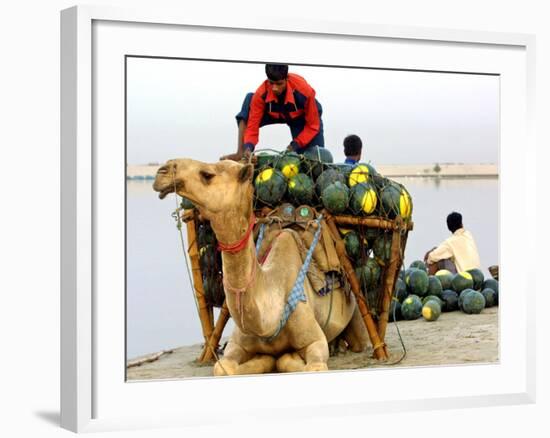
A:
(297, 292)
(235, 248)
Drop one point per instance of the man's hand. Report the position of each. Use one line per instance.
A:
(235, 157)
(249, 157)
(428, 254)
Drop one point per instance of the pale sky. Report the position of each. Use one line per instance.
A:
(186, 109)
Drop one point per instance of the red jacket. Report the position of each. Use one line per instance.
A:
(299, 102)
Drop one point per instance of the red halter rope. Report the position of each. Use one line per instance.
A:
(234, 248)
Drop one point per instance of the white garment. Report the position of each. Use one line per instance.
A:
(461, 248)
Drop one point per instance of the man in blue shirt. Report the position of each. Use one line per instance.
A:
(352, 149)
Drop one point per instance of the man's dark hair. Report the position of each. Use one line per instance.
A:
(454, 221)
(352, 145)
(276, 72)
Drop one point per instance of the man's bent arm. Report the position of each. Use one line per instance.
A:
(442, 252)
(252, 132)
(313, 123)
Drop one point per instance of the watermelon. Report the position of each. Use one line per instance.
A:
(402, 275)
(445, 277)
(205, 235)
(372, 170)
(370, 234)
(419, 264)
(450, 300)
(433, 298)
(400, 290)
(207, 257)
(368, 274)
(434, 286)
(363, 199)
(344, 169)
(394, 201)
(315, 157)
(300, 189)
(328, 177)
(461, 297)
(478, 278)
(270, 185)
(473, 302)
(353, 245)
(491, 283)
(411, 307)
(289, 164)
(382, 248)
(186, 204)
(359, 174)
(490, 297)
(431, 310)
(462, 280)
(265, 159)
(395, 311)
(418, 282)
(408, 272)
(213, 290)
(375, 272)
(336, 197)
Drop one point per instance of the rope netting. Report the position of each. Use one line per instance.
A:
(355, 191)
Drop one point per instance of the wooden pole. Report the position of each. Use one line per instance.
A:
(193, 251)
(390, 276)
(208, 351)
(373, 222)
(378, 345)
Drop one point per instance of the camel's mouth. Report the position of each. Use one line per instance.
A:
(165, 192)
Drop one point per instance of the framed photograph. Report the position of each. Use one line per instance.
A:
(443, 114)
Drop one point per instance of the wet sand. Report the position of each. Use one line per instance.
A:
(455, 338)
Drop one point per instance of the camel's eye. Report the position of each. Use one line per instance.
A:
(206, 177)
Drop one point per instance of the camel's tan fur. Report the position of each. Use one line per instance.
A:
(223, 192)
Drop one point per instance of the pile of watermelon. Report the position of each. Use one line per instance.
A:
(313, 179)
(354, 190)
(419, 294)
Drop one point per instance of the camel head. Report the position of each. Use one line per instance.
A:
(216, 189)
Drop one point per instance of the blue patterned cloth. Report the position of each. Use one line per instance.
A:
(297, 293)
(260, 238)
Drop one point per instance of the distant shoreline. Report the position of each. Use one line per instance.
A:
(432, 170)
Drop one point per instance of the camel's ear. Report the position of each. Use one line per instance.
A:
(246, 173)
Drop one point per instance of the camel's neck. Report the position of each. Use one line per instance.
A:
(244, 283)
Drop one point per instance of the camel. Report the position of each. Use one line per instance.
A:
(256, 294)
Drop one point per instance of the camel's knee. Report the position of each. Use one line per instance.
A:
(259, 364)
(225, 367)
(355, 334)
(290, 362)
(316, 351)
(316, 366)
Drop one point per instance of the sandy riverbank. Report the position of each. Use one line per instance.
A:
(455, 338)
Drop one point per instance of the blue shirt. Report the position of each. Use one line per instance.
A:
(350, 161)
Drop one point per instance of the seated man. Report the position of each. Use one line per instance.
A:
(352, 149)
(457, 253)
(283, 98)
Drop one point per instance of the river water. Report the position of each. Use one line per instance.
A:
(161, 311)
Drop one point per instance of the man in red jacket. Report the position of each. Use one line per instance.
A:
(282, 98)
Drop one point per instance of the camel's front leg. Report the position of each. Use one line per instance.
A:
(316, 356)
(236, 361)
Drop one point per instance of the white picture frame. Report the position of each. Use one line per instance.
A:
(93, 397)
